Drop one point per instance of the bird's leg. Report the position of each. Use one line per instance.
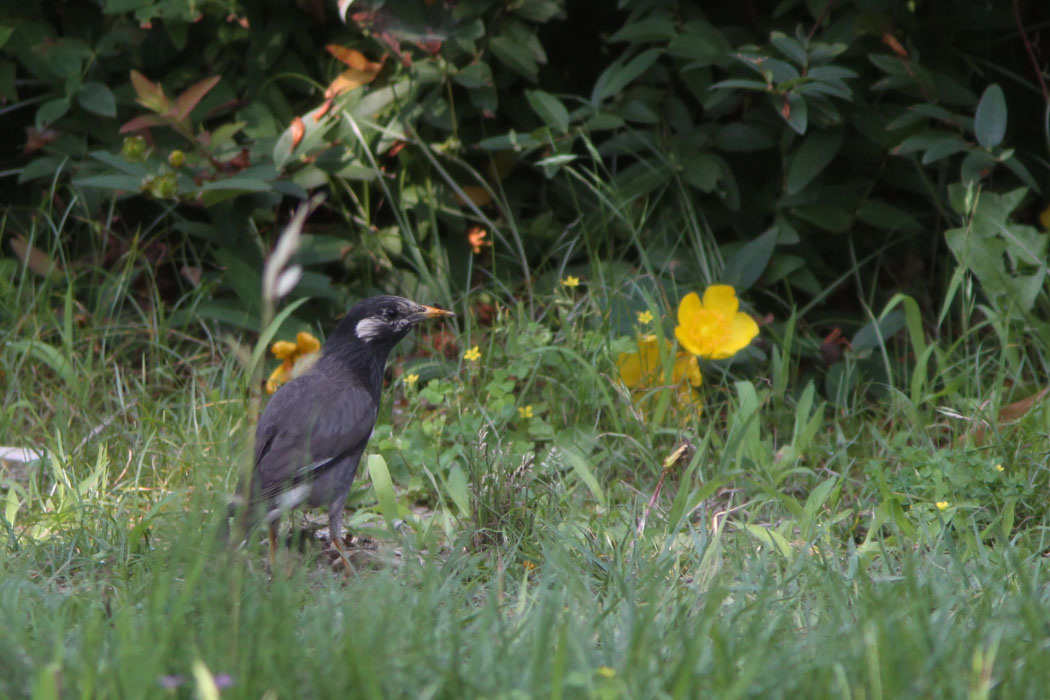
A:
(335, 533)
(272, 532)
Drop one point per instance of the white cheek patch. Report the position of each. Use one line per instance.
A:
(368, 328)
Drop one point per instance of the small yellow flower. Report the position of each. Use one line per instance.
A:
(942, 505)
(410, 379)
(714, 328)
(606, 672)
(529, 566)
(645, 317)
(571, 282)
(998, 467)
(290, 353)
(472, 355)
(525, 411)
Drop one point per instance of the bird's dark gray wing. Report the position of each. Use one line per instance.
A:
(310, 424)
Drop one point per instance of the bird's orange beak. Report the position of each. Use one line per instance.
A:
(429, 312)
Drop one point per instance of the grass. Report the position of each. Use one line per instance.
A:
(796, 550)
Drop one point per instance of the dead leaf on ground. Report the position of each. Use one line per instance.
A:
(477, 194)
(32, 257)
(1012, 413)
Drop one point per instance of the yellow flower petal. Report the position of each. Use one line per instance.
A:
(278, 377)
(721, 298)
(742, 330)
(686, 367)
(688, 308)
(636, 367)
(630, 366)
(306, 343)
(283, 349)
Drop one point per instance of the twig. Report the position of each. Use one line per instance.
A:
(820, 20)
(1030, 51)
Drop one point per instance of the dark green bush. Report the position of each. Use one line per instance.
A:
(809, 151)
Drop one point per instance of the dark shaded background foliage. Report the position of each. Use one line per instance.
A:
(667, 136)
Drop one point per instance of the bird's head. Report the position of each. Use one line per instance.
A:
(384, 320)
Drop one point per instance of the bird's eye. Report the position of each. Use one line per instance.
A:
(389, 314)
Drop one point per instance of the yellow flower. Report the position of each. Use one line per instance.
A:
(525, 411)
(410, 379)
(472, 355)
(942, 505)
(645, 317)
(642, 370)
(606, 672)
(714, 328)
(998, 467)
(571, 282)
(290, 353)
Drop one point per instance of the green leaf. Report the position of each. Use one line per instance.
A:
(51, 111)
(238, 184)
(515, 55)
(640, 179)
(943, 148)
(657, 28)
(771, 539)
(830, 73)
(793, 110)
(789, 47)
(618, 76)
(538, 10)
(458, 489)
(976, 166)
(875, 333)
(48, 355)
(921, 141)
(549, 108)
(744, 268)
(741, 83)
(833, 217)
(990, 120)
(700, 42)
(816, 151)
(45, 166)
(1022, 173)
(883, 215)
(127, 183)
(189, 99)
(737, 137)
(703, 171)
(476, 75)
(384, 488)
(97, 99)
(583, 471)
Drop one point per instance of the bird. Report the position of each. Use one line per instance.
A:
(312, 433)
